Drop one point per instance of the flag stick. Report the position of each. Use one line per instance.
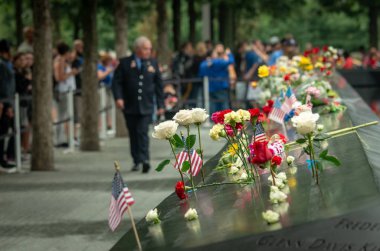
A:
(117, 167)
(134, 228)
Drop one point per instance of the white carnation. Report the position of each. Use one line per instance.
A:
(165, 130)
(270, 216)
(216, 131)
(244, 115)
(277, 197)
(290, 160)
(191, 214)
(152, 216)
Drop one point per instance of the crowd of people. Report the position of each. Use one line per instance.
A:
(225, 68)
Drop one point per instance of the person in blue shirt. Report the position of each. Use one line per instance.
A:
(216, 68)
(276, 52)
(105, 74)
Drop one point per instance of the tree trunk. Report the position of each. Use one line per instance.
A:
(176, 7)
(42, 145)
(372, 25)
(192, 19)
(90, 97)
(121, 51)
(19, 24)
(226, 21)
(77, 22)
(162, 33)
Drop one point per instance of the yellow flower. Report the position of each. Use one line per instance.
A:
(233, 149)
(253, 84)
(305, 61)
(309, 67)
(282, 69)
(263, 71)
(318, 65)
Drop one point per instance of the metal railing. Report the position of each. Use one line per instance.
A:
(69, 120)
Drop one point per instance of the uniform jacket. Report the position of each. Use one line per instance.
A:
(138, 87)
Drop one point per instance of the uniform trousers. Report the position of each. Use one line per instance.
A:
(138, 127)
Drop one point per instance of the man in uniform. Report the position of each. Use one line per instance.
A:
(137, 80)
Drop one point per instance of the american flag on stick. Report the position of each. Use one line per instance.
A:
(196, 161)
(290, 98)
(121, 199)
(277, 114)
(259, 133)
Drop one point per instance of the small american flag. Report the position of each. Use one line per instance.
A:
(260, 133)
(290, 98)
(277, 114)
(120, 200)
(196, 162)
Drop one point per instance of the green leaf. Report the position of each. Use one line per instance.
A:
(307, 150)
(190, 141)
(185, 166)
(199, 151)
(301, 141)
(162, 165)
(178, 141)
(332, 159)
(321, 137)
(323, 154)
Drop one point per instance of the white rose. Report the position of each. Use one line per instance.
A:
(290, 160)
(216, 131)
(244, 115)
(199, 115)
(184, 117)
(293, 170)
(233, 169)
(165, 130)
(277, 197)
(305, 122)
(191, 214)
(320, 127)
(270, 216)
(152, 216)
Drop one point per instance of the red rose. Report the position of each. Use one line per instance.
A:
(328, 73)
(322, 68)
(287, 77)
(325, 48)
(276, 160)
(315, 50)
(180, 190)
(307, 53)
(262, 153)
(261, 117)
(254, 112)
(270, 102)
(267, 109)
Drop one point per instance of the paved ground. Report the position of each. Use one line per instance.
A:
(67, 209)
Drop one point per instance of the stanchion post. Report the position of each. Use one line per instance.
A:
(113, 117)
(17, 132)
(103, 115)
(71, 123)
(206, 96)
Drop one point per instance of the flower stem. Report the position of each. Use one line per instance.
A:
(188, 154)
(311, 154)
(200, 148)
(223, 183)
(176, 160)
